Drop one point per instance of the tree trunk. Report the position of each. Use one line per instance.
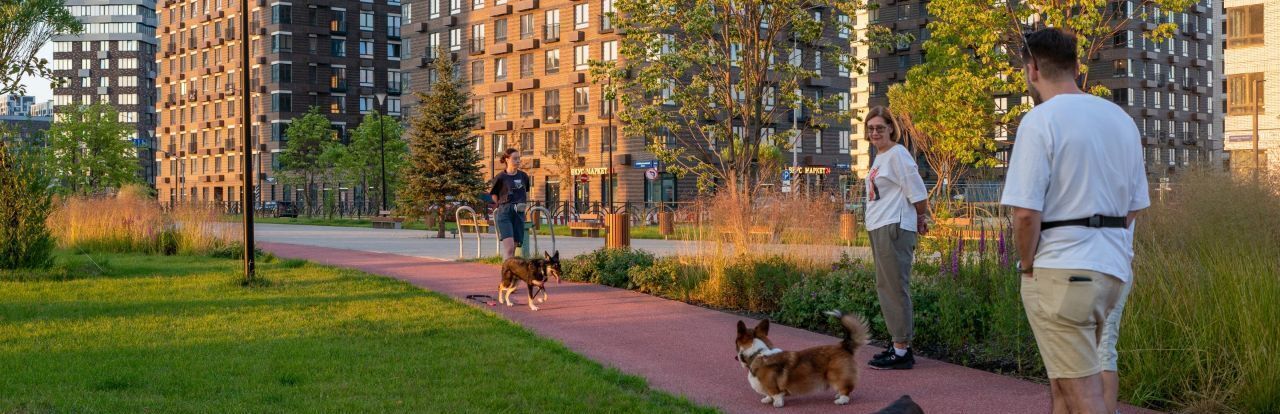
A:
(440, 223)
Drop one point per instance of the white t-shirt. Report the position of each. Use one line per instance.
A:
(1075, 156)
(893, 185)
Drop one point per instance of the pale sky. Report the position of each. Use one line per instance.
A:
(36, 86)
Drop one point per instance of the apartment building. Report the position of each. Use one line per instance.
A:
(16, 105)
(1252, 80)
(527, 63)
(113, 61)
(342, 56)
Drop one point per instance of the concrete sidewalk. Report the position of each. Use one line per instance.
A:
(684, 349)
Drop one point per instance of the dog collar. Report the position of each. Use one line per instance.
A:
(762, 352)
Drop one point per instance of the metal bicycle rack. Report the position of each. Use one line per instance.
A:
(457, 218)
(551, 227)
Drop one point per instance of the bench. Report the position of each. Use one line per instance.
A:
(962, 228)
(763, 233)
(473, 225)
(588, 224)
(384, 221)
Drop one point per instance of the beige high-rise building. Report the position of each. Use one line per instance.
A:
(1252, 80)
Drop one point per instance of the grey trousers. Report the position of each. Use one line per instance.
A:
(893, 250)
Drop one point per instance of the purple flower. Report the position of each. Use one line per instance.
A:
(955, 257)
(1003, 251)
(982, 242)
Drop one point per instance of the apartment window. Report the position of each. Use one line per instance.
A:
(552, 61)
(366, 104)
(455, 6)
(551, 143)
(366, 49)
(817, 141)
(551, 105)
(500, 68)
(500, 30)
(394, 81)
(843, 30)
(1122, 68)
(581, 140)
(551, 26)
(581, 16)
(338, 47)
(477, 37)
(1245, 26)
(455, 39)
(338, 80)
(1242, 93)
(526, 65)
(281, 72)
(312, 46)
(608, 138)
(767, 99)
(281, 102)
(281, 42)
(843, 103)
(526, 142)
(817, 62)
(526, 26)
(477, 72)
(1122, 96)
(581, 56)
(477, 4)
(433, 44)
(433, 9)
(338, 105)
(393, 51)
(606, 8)
(366, 77)
(366, 21)
(280, 14)
(610, 51)
(393, 106)
(500, 107)
(393, 25)
(526, 104)
(581, 98)
(844, 142)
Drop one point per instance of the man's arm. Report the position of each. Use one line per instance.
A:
(1026, 237)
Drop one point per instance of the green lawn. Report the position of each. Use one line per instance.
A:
(177, 334)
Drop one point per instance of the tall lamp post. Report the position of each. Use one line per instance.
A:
(246, 208)
(613, 140)
(1257, 108)
(382, 147)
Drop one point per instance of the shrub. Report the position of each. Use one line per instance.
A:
(132, 222)
(751, 284)
(669, 277)
(849, 288)
(25, 241)
(607, 267)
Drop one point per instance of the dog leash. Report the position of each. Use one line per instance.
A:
(485, 299)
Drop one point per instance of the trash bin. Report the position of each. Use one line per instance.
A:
(666, 223)
(618, 230)
(848, 227)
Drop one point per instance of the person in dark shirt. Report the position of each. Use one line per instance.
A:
(510, 190)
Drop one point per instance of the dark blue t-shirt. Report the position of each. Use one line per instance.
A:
(510, 188)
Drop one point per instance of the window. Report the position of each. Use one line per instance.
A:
(433, 44)
(455, 6)
(551, 143)
(610, 51)
(608, 138)
(338, 105)
(734, 48)
(843, 29)
(280, 14)
(338, 47)
(551, 26)
(1245, 26)
(526, 65)
(366, 104)
(1122, 96)
(280, 72)
(606, 8)
(581, 140)
(817, 141)
(526, 26)
(526, 104)
(551, 105)
(393, 25)
(844, 142)
(281, 42)
(843, 103)
(394, 81)
(477, 72)
(433, 9)
(455, 40)
(552, 61)
(366, 77)
(581, 16)
(500, 30)
(281, 102)
(477, 4)
(393, 51)
(477, 37)
(767, 98)
(581, 99)
(338, 79)
(500, 68)
(366, 49)
(500, 107)
(393, 106)
(581, 56)
(1242, 93)
(1122, 68)
(526, 142)
(366, 21)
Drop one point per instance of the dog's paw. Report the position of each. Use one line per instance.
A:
(767, 399)
(842, 400)
(541, 300)
(777, 402)
(510, 303)
(532, 307)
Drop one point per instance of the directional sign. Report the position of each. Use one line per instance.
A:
(646, 164)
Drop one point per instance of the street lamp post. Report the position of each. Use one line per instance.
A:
(382, 148)
(1257, 108)
(613, 140)
(245, 126)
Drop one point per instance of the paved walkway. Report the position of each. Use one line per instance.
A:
(684, 349)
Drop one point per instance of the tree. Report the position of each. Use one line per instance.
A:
(710, 75)
(948, 106)
(25, 241)
(308, 137)
(443, 164)
(88, 152)
(563, 157)
(362, 160)
(25, 26)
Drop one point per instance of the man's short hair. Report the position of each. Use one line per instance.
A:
(1053, 51)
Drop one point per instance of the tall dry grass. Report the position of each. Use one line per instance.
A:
(133, 222)
(1201, 332)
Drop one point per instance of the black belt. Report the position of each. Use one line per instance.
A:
(1097, 221)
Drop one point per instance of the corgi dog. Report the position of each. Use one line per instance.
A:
(777, 374)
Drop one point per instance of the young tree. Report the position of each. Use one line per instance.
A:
(710, 75)
(88, 152)
(563, 157)
(443, 163)
(25, 241)
(25, 26)
(363, 159)
(301, 159)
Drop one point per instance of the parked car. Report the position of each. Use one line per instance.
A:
(286, 209)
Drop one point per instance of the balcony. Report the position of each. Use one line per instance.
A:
(525, 84)
(551, 114)
(526, 44)
(526, 5)
(551, 33)
(501, 49)
(500, 87)
(395, 89)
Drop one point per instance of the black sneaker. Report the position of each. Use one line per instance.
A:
(893, 361)
(883, 354)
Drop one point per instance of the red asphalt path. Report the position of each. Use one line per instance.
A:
(687, 350)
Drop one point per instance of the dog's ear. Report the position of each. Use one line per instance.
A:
(742, 327)
(762, 329)
(546, 255)
(556, 256)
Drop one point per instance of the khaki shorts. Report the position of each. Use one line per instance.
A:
(1068, 311)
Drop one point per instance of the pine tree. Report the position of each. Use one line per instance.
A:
(442, 161)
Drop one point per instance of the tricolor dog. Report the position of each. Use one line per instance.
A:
(534, 273)
(776, 374)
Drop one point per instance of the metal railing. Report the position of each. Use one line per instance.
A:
(457, 218)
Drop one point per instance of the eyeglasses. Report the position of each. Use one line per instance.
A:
(878, 128)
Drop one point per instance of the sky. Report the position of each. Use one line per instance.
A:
(36, 86)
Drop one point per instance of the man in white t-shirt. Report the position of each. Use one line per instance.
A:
(1076, 181)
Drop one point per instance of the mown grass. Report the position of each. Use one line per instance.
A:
(178, 334)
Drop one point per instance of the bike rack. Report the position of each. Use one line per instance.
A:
(551, 227)
(457, 218)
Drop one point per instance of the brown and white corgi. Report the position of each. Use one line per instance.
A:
(775, 373)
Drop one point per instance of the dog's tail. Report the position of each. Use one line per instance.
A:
(855, 330)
